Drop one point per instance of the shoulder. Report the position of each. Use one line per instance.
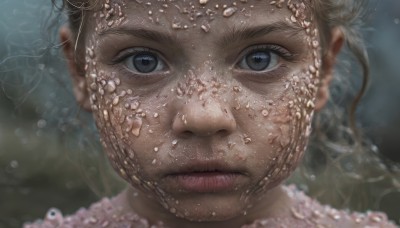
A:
(309, 213)
(104, 213)
(325, 216)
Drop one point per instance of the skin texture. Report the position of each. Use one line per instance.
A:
(202, 109)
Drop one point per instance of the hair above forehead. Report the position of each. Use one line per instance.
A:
(328, 13)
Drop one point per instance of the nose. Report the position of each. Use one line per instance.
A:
(204, 118)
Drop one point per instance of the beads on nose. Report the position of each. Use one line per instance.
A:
(204, 120)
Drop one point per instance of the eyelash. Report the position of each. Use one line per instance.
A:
(279, 50)
(131, 52)
(275, 72)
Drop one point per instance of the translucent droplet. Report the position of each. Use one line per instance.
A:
(115, 100)
(203, 2)
(111, 86)
(229, 11)
(397, 21)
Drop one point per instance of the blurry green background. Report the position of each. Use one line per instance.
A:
(44, 160)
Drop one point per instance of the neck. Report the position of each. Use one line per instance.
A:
(274, 204)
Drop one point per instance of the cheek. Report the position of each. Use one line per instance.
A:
(125, 124)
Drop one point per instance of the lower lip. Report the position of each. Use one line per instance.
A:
(206, 181)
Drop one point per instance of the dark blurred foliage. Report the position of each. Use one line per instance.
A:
(44, 161)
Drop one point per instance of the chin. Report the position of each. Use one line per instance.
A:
(209, 207)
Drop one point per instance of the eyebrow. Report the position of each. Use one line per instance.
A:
(232, 35)
(245, 33)
(141, 33)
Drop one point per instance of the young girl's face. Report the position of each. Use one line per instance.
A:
(205, 106)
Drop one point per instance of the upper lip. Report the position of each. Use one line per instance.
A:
(199, 166)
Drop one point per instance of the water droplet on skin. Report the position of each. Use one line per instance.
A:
(101, 91)
(298, 115)
(154, 162)
(375, 218)
(297, 214)
(172, 210)
(137, 126)
(135, 179)
(176, 25)
(174, 142)
(205, 27)
(90, 53)
(246, 139)
(156, 149)
(231, 145)
(229, 11)
(155, 115)
(105, 224)
(237, 89)
(134, 125)
(134, 105)
(93, 86)
(122, 172)
(265, 113)
(203, 2)
(293, 19)
(312, 69)
(213, 213)
(317, 214)
(315, 44)
(105, 114)
(115, 100)
(184, 119)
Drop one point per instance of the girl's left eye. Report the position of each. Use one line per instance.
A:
(144, 62)
(261, 59)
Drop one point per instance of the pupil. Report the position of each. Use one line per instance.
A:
(258, 60)
(145, 62)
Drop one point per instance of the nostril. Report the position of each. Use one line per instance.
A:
(186, 134)
(222, 132)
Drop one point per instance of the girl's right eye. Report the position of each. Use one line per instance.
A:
(141, 61)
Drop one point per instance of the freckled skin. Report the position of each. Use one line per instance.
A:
(202, 106)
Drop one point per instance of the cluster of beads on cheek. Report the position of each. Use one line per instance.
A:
(295, 122)
(117, 111)
(306, 84)
(196, 15)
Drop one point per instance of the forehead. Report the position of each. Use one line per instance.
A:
(201, 15)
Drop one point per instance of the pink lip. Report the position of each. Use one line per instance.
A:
(205, 176)
(203, 182)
